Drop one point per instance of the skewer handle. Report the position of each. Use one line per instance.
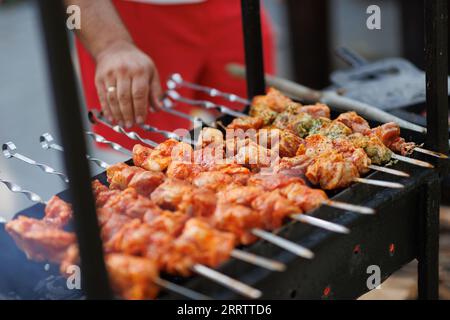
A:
(18, 189)
(99, 139)
(47, 143)
(227, 281)
(9, 151)
(132, 135)
(177, 81)
(204, 104)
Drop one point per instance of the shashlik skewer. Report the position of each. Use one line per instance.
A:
(44, 240)
(178, 81)
(10, 151)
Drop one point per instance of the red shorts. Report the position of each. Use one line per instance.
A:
(195, 40)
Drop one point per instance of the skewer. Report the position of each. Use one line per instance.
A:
(132, 135)
(283, 243)
(48, 143)
(204, 104)
(182, 291)
(176, 81)
(216, 276)
(431, 153)
(412, 161)
(238, 254)
(389, 171)
(99, 139)
(167, 134)
(196, 121)
(349, 207)
(228, 282)
(380, 183)
(9, 151)
(322, 223)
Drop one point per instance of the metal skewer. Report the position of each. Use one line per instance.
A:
(48, 143)
(168, 107)
(177, 81)
(412, 161)
(380, 183)
(228, 282)
(132, 135)
(9, 151)
(204, 104)
(321, 223)
(99, 139)
(431, 153)
(349, 207)
(389, 171)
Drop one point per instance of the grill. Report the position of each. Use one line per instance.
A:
(404, 228)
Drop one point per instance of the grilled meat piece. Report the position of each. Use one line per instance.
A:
(39, 240)
(57, 212)
(389, 133)
(132, 278)
(199, 243)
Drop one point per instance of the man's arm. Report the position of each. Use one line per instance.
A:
(126, 78)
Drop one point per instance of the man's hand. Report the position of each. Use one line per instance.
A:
(126, 79)
(127, 83)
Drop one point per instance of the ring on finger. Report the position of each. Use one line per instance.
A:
(111, 89)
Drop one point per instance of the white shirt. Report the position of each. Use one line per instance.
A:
(168, 2)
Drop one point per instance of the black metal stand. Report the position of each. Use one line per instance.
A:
(436, 43)
(254, 57)
(67, 106)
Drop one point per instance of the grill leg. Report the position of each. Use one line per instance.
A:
(428, 257)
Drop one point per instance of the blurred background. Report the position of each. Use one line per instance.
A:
(307, 31)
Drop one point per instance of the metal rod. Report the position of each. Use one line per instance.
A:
(208, 105)
(94, 277)
(18, 189)
(380, 183)
(389, 171)
(412, 161)
(258, 260)
(9, 151)
(99, 139)
(228, 282)
(285, 244)
(436, 53)
(254, 56)
(349, 207)
(431, 153)
(98, 118)
(183, 291)
(326, 225)
(47, 143)
(178, 81)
